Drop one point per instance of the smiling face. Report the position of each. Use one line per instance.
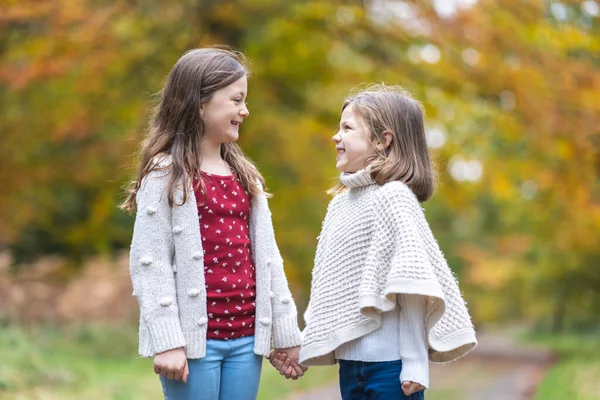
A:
(352, 142)
(225, 111)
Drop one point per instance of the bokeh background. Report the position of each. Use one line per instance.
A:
(511, 90)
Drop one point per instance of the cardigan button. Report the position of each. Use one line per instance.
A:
(146, 261)
(197, 255)
(202, 321)
(270, 262)
(265, 321)
(150, 210)
(194, 293)
(286, 300)
(177, 230)
(166, 301)
(272, 295)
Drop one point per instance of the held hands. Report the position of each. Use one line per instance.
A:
(286, 362)
(409, 387)
(172, 364)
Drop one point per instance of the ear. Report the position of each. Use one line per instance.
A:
(202, 110)
(387, 135)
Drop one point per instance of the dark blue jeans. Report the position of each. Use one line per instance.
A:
(360, 380)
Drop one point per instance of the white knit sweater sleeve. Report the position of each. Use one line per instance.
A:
(413, 343)
(151, 256)
(286, 332)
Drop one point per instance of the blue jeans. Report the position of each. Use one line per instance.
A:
(360, 380)
(230, 370)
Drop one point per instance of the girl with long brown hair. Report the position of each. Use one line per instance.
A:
(204, 263)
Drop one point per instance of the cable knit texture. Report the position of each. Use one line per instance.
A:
(375, 243)
(166, 266)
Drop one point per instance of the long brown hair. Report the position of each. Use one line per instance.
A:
(406, 159)
(177, 128)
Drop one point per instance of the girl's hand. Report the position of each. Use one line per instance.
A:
(286, 362)
(409, 387)
(172, 364)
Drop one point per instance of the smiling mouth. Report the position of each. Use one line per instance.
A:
(236, 123)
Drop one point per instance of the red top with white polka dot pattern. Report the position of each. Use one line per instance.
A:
(228, 267)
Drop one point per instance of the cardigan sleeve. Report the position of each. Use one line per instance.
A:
(151, 270)
(286, 332)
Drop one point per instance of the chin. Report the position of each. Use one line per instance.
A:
(231, 137)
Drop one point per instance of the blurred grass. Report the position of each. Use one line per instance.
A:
(92, 363)
(576, 375)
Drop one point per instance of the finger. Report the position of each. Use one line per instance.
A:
(171, 375)
(411, 389)
(415, 387)
(406, 388)
(298, 369)
(178, 374)
(276, 363)
(285, 366)
(157, 370)
(274, 354)
(270, 354)
(289, 372)
(186, 372)
(304, 367)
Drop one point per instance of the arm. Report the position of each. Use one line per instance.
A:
(413, 343)
(285, 332)
(152, 251)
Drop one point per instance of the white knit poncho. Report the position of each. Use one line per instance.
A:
(375, 242)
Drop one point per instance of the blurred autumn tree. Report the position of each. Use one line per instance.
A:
(511, 88)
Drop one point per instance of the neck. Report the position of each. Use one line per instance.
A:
(357, 179)
(211, 159)
(211, 151)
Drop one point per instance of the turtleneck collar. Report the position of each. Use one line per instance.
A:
(357, 179)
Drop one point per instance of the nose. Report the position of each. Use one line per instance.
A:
(337, 137)
(244, 111)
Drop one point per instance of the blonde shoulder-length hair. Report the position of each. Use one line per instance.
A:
(177, 128)
(406, 159)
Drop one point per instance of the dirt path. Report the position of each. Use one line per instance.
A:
(498, 369)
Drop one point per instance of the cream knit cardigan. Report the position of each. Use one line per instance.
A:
(375, 243)
(167, 272)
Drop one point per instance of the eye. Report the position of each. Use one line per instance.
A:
(237, 101)
(346, 127)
